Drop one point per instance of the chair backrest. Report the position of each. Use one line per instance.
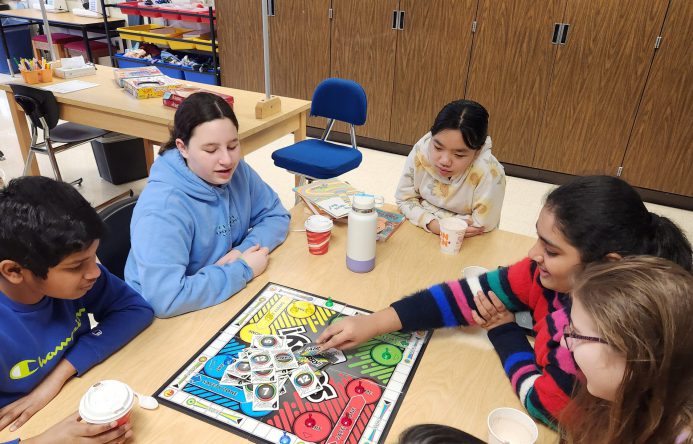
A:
(114, 247)
(37, 103)
(340, 99)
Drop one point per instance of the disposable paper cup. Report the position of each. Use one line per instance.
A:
(511, 426)
(473, 271)
(107, 401)
(451, 234)
(318, 231)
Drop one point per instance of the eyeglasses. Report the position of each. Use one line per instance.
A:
(570, 337)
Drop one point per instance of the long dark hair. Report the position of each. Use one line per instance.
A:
(467, 116)
(599, 215)
(195, 110)
(642, 307)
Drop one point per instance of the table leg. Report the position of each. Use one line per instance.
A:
(86, 44)
(300, 133)
(22, 130)
(148, 153)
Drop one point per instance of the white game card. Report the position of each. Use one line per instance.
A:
(305, 381)
(265, 396)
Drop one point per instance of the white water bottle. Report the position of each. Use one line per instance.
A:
(361, 234)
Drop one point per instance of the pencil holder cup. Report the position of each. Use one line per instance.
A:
(31, 77)
(46, 75)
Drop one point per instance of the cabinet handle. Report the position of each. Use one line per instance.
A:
(401, 20)
(564, 35)
(556, 32)
(395, 20)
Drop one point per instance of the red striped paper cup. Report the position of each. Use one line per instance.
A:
(318, 232)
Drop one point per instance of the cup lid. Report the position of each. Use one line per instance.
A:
(106, 401)
(363, 202)
(318, 224)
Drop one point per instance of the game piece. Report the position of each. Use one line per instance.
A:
(310, 422)
(329, 302)
(362, 380)
(269, 316)
(284, 439)
(346, 421)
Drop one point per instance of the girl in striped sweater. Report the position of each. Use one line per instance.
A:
(591, 219)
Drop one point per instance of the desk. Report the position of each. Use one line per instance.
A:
(62, 19)
(458, 382)
(110, 107)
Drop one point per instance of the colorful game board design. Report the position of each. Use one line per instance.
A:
(367, 388)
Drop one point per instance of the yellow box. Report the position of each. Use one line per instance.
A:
(207, 47)
(151, 37)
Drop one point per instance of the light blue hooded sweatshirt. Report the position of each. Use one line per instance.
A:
(182, 225)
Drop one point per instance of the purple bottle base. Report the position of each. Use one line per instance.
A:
(360, 266)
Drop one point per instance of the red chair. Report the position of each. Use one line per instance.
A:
(98, 49)
(40, 43)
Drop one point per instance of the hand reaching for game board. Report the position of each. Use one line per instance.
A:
(352, 331)
(256, 258)
(72, 430)
(490, 311)
(24, 408)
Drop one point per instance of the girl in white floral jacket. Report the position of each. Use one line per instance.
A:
(451, 172)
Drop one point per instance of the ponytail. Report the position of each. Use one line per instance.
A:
(599, 215)
(668, 241)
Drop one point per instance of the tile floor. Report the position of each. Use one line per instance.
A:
(379, 173)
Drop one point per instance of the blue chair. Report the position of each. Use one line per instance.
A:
(335, 99)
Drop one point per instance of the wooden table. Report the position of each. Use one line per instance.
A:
(110, 107)
(458, 382)
(64, 20)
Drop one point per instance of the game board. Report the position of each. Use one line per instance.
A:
(368, 387)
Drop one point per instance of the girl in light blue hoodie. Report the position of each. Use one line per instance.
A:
(206, 222)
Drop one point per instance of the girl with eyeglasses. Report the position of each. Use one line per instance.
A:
(589, 220)
(631, 335)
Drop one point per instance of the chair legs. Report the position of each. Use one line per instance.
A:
(54, 164)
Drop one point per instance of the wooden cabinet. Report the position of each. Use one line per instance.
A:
(511, 71)
(299, 46)
(432, 61)
(598, 77)
(363, 50)
(659, 154)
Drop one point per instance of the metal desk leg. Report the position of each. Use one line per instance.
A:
(86, 43)
(6, 48)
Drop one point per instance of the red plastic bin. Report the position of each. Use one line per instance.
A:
(129, 11)
(152, 11)
(170, 13)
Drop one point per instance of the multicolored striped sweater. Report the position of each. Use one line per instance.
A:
(542, 377)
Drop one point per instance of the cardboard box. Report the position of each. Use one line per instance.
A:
(176, 96)
(71, 73)
(147, 87)
(121, 74)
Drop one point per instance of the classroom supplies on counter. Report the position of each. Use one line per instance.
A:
(175, 97)
(148, 87)
(122, 74)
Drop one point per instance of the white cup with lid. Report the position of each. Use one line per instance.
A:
(318, 232)
(107, 401)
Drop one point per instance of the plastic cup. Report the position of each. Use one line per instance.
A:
(451, 234)
(107, 401)
(46, 75)
(318, 231)
(31, 77)
(510, 426)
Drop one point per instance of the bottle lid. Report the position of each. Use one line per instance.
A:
(379, 201)
(106, 401)
(363, 202)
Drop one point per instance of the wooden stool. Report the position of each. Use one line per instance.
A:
(40, 43)
(98, 49)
